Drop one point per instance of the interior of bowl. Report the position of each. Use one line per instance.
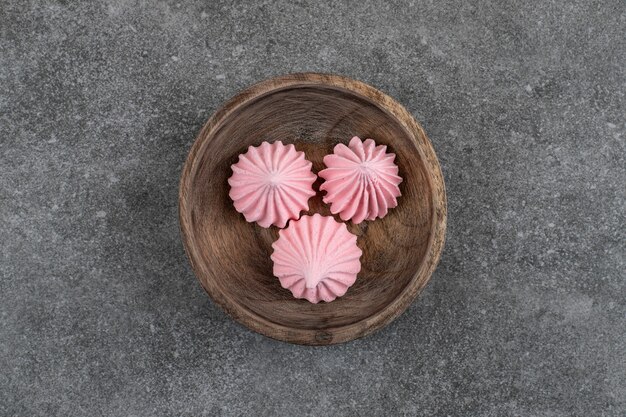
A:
(235, 255)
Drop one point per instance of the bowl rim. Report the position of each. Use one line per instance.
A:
(436, 238)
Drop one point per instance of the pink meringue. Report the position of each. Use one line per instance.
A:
(316, 258)
(271, 184)
(361, 180)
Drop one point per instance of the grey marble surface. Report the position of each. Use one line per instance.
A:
(524, 102)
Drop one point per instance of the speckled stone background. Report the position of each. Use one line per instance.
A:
(100, 314)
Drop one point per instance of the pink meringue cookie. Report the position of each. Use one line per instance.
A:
(316, 258)
(361, 180)
(271, 184)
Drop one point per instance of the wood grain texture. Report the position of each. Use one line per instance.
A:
(231, 257)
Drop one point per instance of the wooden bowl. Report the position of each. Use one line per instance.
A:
(231, 257)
